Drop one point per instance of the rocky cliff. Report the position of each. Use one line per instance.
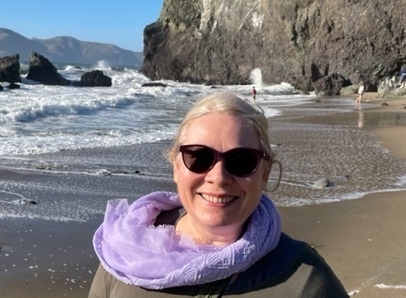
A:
(296, 41)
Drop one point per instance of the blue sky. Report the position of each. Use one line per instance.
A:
(118, 22)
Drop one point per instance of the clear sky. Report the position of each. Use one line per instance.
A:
(118, 22)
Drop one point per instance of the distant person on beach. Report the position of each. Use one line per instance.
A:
(402, 75)
(219, 234)
(360, 92)
(254, 93)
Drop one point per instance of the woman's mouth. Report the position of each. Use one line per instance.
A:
(218, 200)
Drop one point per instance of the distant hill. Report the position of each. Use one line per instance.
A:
(66, 49)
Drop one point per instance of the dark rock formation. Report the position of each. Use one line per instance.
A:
(330, 85)
(297, 41)
(154, 84)
(43, 71)
(9, 69)
(94, 78)
(13, 86)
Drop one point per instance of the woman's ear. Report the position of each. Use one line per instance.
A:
(175, 173)
(267, 172)
(265, 175)
(175, 166)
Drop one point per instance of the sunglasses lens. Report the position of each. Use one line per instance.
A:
(198, 159)
(241, 161)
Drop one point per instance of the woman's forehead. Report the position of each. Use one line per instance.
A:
(216, 126)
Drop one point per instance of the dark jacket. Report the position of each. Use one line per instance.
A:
(292, 269)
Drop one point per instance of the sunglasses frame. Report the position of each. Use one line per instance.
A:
(221, 156)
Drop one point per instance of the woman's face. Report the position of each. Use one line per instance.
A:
(217, 198)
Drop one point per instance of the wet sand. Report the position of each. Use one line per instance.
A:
(363, 240)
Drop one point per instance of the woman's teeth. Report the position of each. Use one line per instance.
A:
(219, 200)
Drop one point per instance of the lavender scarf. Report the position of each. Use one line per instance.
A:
(136, 252)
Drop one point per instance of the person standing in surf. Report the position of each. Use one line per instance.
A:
(361, 91)
(254, 93)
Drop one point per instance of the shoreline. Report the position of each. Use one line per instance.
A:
(363, 240)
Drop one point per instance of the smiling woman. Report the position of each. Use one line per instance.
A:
(219, 234)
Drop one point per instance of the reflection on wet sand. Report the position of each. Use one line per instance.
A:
(360, 119)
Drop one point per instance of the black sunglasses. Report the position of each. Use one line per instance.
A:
(238, 162)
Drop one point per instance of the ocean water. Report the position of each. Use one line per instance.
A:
(83, 146)
(42, 119)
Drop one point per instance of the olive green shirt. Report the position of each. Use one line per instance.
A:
(292, 269)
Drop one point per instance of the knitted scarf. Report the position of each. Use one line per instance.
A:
(136, 252)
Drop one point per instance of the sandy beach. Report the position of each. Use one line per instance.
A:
(363, 240)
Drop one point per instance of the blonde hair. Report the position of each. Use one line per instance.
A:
(230, 104)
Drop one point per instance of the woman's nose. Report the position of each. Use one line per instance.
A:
(219, 174)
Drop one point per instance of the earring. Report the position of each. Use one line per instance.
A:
(273, 184)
